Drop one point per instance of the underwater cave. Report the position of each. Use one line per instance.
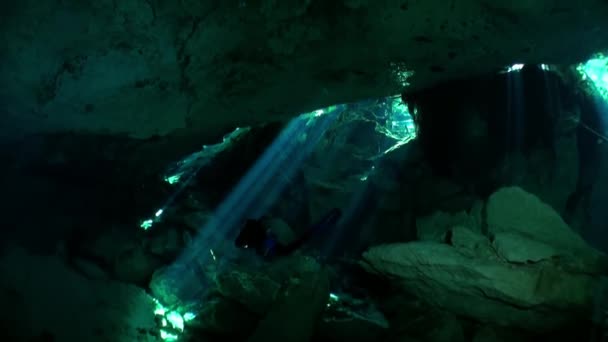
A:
(304, 170)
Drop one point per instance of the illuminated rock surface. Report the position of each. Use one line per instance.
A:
(512, 284)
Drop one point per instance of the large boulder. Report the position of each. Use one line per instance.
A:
(295, 313)
(522, 226)
(530, 271)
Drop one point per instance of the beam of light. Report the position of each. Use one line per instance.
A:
(389, 126)
(515, 109)
(261, 186)
(520, 66)
(252, 196)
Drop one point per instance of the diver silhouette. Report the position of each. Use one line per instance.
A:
(256, 236)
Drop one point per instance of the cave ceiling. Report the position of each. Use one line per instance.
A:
(143, 68)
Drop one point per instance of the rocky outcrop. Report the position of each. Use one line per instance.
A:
(286, 300)
(150, 67)
(527, 230)
(529, 269)
(296, 311)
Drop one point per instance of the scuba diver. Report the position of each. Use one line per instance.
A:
(264, 240)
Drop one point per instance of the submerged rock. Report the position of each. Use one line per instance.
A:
(253, 290)
(513, 214)
(135, 266)
(50, 302)
(446, 328)
(167, 243)
(347, 318)
(529, 277)
(289, 298)
(488, 333)
(294, 315)
(224, 317)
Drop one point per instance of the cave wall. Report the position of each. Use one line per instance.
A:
(149, 67)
